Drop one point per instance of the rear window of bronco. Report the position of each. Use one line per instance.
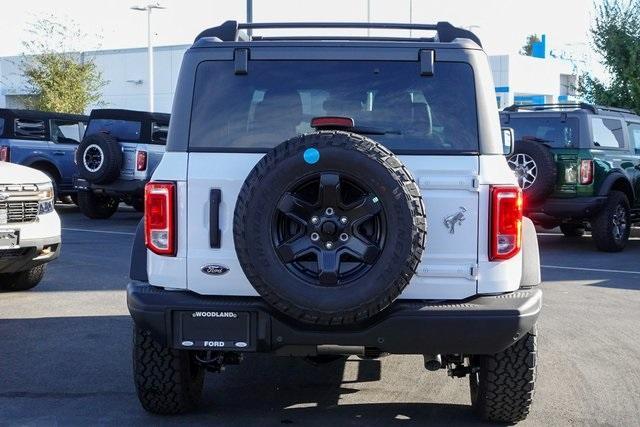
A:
(122, 130)
(555, 132)
(276, 100)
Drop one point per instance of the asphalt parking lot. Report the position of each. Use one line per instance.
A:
(65, 351)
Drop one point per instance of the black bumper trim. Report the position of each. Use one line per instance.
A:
(575, 207)
(480, 325)
(15, 260)
(118, 187)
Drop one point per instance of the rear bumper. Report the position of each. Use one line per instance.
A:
(31, 253)
(481, 325)
(119, 187)
(576, 207)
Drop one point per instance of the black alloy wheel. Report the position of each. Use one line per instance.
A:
(329, 229)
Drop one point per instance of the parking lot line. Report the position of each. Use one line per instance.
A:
(601, 270)
(99, 231)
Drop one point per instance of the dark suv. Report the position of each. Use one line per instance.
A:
(579, 167)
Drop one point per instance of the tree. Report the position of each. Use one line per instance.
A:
(59, 77)
(527, 49)
(616, 39)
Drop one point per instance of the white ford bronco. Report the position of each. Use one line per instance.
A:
(331, 196)
(29, 226)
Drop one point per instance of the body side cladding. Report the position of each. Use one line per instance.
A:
(138, 268)
(530, 255)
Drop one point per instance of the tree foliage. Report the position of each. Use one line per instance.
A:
(527, 49)
(616, 39)
(58, 77)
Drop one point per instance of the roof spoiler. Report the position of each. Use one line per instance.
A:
(233, 31)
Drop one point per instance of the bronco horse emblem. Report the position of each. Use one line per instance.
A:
(450, 221)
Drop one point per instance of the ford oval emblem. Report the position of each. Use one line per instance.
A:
(214, 269)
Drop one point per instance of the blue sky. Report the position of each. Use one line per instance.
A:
(502, 24)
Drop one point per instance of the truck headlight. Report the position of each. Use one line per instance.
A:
(45, 192)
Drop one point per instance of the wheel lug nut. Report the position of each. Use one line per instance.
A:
(329, 211)
(344, 237)
(328, 245)
(314, 220)
(315, 237)
(343, 220)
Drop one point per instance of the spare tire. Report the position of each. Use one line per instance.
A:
(329, 227)
(535, 169)
(99, 158)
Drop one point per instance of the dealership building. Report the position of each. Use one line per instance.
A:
(517, 78)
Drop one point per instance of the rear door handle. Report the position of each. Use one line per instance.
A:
(58, 153)
(215, 197)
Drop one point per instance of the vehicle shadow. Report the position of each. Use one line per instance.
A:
(576, 258)
(77, 370)
(125, 213)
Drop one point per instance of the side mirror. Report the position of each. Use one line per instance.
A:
(507, 141)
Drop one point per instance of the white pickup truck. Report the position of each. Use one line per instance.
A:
(29, 226)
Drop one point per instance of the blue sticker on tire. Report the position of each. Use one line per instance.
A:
(311, 155)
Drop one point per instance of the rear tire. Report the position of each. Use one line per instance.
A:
(168, 381)
(611, 226)
(502, 388)
(97, 206)
(572, 230)
(22, 280)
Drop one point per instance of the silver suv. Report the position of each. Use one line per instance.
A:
(332, 196)
(116, 158)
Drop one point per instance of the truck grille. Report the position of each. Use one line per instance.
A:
(20, 211)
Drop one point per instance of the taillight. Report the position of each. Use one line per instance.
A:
(586, 172)
(4, 154)
(506, 222)
(141, 160)
(159, 217)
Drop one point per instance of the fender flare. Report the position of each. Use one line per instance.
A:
(29, 161)
(530, 255)
(611, 179)
(138, 266)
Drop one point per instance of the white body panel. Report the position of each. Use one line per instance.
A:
(164, 271)
(45, 227)
(454, 265)
(11, 173)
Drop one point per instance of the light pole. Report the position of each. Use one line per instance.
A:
(249, 16)
(148, 8)
(368, 17)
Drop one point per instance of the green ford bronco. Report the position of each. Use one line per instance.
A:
(579, 168)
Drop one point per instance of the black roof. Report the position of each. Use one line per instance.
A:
(13, 113)
(233, 31)
(120, 114)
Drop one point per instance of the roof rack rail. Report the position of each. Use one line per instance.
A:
(567, 105)
(231, 30)
(615, 109)
(556, 106)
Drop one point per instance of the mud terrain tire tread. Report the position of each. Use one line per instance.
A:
(506, 383)
(348, 141)
(163, 376)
